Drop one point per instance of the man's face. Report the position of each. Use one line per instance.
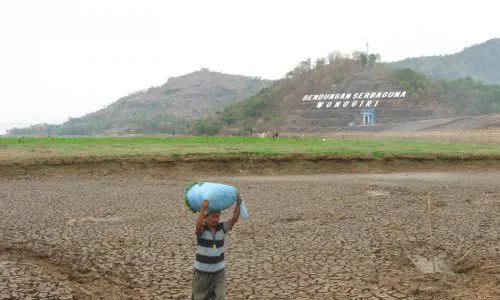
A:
(212, 219)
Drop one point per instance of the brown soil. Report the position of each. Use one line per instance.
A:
(319, 228)
(161, 167)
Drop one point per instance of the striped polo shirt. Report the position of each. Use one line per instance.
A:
(210, 249)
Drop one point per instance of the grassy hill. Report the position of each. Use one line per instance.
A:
(162, 109)
(481, 62)
(281, 107)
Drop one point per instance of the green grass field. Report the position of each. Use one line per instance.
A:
(29, 147)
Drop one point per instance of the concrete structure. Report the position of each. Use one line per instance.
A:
(368, 115)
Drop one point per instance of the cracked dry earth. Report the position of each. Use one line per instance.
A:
(328, 236)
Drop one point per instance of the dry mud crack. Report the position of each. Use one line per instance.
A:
(25, 274)
(314, 236)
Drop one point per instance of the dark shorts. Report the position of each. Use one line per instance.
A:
(209, 286)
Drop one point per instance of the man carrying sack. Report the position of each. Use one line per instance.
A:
(209, 273)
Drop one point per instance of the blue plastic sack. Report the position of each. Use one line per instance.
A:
(220, 196)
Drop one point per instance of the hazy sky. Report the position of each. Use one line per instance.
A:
(67, 58)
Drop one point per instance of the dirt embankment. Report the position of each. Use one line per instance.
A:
(239, 165)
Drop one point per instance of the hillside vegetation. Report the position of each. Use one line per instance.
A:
(279, 107)
(481, 62)
(162, 109)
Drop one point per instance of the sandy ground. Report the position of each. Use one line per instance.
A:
(324, 236)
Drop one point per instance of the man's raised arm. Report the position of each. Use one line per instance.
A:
(236, 212)
(201, 217)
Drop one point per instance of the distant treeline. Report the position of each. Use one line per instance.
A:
(94, 125)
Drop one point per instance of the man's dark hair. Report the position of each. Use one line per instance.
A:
(207, 213)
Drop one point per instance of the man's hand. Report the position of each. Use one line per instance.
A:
(204, 203)
(201, 217)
